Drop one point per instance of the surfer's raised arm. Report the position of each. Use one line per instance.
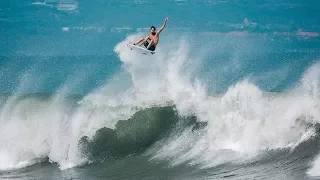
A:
(162, 27)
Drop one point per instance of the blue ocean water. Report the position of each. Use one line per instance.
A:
(32, 29)
(233, 90)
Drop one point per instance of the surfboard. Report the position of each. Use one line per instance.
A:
(140, 49)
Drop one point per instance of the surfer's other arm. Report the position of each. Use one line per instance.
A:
(162, 27)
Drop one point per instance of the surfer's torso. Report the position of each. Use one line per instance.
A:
(155, 39)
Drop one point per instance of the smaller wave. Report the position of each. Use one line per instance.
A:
(71, 6)
(39, 3)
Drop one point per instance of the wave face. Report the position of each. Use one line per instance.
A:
(229, 95)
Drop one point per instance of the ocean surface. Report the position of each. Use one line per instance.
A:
(232, 92)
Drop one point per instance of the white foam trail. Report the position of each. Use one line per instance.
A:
(314, 170)
(242, 122)
(311, 82)
(310, 86)
(33, 129)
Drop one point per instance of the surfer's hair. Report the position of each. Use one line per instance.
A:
(153, 27)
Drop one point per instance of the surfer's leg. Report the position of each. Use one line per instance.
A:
(146, 44)
(139, 41)
(152, 48)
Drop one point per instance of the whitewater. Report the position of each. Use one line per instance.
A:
(234, 104)
(239, 125)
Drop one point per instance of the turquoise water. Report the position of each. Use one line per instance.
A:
(269, 34)
(232, 92)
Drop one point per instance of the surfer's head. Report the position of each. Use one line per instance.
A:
(153, 30)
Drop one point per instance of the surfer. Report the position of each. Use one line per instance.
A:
(151, 41)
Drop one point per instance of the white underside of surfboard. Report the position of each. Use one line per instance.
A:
(139, 49)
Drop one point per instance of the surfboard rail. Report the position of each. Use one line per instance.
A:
(140, 49)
